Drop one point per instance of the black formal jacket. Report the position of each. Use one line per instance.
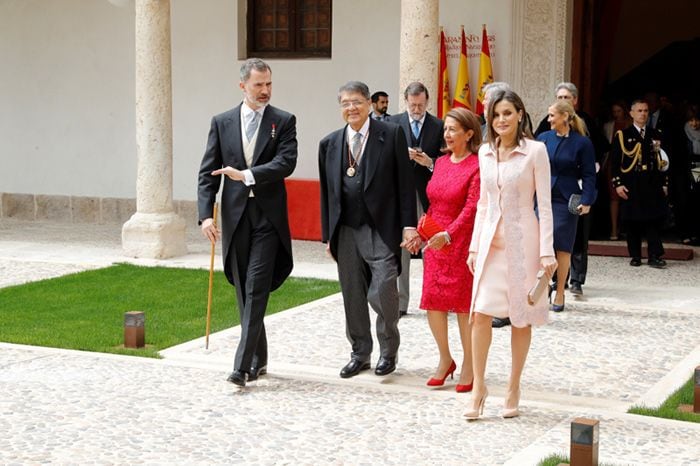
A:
(274, 158)
(643, 179)
(430, 140)
(389, 191)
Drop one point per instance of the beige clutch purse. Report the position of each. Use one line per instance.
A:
(540, 286)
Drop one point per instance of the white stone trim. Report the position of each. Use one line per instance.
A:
(541, 51)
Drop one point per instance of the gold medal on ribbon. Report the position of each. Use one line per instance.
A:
(350, 171)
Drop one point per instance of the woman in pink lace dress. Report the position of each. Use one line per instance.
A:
(511, 242)
(453, 192)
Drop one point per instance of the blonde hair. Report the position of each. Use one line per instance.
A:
(576, 122)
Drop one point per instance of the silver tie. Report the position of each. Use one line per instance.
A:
(252, 125)
(356, 146)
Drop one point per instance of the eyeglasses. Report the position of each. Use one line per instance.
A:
(352, 103)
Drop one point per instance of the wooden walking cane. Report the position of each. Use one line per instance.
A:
(211, 281)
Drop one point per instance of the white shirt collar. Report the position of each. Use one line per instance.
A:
(363, 131)
(422, 120)
(246, 110)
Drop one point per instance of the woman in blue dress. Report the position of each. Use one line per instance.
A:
(572, 162)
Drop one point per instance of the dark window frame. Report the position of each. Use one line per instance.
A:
(294, 33)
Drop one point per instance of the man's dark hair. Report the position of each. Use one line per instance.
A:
(354, 87)
(415, 88)
(377, 95)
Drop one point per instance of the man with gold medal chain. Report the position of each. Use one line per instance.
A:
(368, 212)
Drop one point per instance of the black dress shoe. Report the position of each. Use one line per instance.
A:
(498, 323)
(256, 372)
(402, 313)
(385, 366)
(636, 262)
(354, 367)
(657, 263)
(238, 378)
(575, 288)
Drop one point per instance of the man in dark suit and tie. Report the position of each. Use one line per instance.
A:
(424, 139)
(368, 212)
(254, 145)
(380, 104)
(639, 179)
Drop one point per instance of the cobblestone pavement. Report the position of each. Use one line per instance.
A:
(632, 339)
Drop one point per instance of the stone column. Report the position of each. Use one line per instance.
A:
(154, 231)
(419, 47)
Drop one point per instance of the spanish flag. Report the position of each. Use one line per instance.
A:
(443, 80)
(485, 72)
(462, 95)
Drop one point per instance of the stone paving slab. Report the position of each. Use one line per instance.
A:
(63, 406)
(613, 355)
(18, 272)
(68, 248)
(70, 407)
(630, 339)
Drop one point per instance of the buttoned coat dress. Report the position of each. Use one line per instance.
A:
(525, 179)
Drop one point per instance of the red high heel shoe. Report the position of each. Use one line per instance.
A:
(464, 388)
(433, 382)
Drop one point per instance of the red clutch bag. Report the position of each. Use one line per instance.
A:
(427, 227)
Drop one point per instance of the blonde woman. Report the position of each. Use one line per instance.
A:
(571, 158)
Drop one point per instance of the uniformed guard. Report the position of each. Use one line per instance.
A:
(638, 171)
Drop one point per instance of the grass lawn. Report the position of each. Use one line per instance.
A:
(669, 408)
(554, 460)
(85, 311)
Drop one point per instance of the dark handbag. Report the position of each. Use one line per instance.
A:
(574, 202)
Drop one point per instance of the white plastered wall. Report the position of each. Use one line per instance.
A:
(67, 84)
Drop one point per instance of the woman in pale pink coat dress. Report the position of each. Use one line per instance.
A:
(510, 244)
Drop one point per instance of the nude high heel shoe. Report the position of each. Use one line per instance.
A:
(474, 413)
(508, 413)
